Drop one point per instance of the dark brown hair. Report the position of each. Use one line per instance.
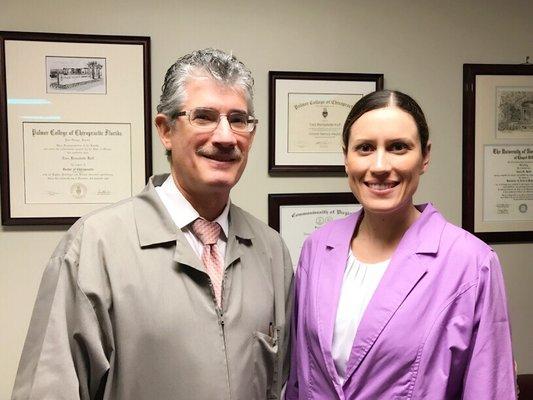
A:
(382, 99)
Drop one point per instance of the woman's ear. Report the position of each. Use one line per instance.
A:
(345, 159)
(427, 157)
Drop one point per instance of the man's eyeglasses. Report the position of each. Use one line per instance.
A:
(207, 119)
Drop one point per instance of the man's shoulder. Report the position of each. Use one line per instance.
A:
(107, 217)
(100, 222)
(116, 216)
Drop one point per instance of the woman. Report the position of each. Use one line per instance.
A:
(394, 302)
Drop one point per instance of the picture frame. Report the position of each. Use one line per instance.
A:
(498, 152)
(307, 111)
(75, 129)
(296, 215)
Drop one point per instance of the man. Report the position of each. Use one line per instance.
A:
(134, 304)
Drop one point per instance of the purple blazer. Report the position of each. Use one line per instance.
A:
(436, 328)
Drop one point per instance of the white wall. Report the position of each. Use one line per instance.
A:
(418, 45)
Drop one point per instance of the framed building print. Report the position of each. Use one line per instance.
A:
(75, 123)
(498, 152)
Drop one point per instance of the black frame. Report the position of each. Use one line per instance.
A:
(144, 41)
(275, 201)
(470, 71)
(273, 76)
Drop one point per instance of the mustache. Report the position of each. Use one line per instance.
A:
(220, 153)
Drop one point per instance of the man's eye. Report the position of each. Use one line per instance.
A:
(238, 119)
(205, 116)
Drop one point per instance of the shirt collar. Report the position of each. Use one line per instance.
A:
(181, 211)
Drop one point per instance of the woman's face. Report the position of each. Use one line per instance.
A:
(384, 160)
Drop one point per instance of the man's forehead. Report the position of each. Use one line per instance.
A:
(207, 80)
(207, 89)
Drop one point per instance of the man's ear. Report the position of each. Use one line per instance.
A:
(252, 136)
(164, 129)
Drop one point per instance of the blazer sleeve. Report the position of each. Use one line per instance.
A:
(289, 300)
(292, 388)
(67, 348)
(490, 373)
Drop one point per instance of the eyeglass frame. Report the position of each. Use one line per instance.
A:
(187, 113)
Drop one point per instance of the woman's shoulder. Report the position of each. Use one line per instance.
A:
(435, 227)
(462, 240)
(465, 248)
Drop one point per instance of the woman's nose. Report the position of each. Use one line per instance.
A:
(381, 163)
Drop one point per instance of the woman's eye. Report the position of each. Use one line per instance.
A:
(364, 148)
(398, 147)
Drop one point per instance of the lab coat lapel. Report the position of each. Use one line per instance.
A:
(184, 254)
(155, 227)
(405, 270)
(329, 283)
(240, 234)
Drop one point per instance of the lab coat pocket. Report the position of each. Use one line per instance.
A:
(265, 351)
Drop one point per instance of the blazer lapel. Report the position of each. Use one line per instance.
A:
(405, 270)
(329, 282)
(394, 287)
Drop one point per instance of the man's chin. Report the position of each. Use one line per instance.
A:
(219, 181)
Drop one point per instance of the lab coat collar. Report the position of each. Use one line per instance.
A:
(153, 222)
(155, 226)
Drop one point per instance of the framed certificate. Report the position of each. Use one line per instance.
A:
(307, 111)
(498, 152)
(75, 124)
(296, 215)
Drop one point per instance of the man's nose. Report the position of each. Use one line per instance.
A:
(223, 134)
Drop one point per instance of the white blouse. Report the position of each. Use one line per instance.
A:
(359, 284)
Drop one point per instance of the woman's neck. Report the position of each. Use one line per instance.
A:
(379, 234)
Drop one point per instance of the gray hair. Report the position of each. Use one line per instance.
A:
(216, 64)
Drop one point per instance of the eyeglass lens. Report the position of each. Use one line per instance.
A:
(208, 117)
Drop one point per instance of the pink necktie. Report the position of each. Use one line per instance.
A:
(208, 233)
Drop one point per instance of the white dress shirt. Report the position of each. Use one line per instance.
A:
(183, 214)
(358, 286)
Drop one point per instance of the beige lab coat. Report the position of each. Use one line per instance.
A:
(126, 311)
